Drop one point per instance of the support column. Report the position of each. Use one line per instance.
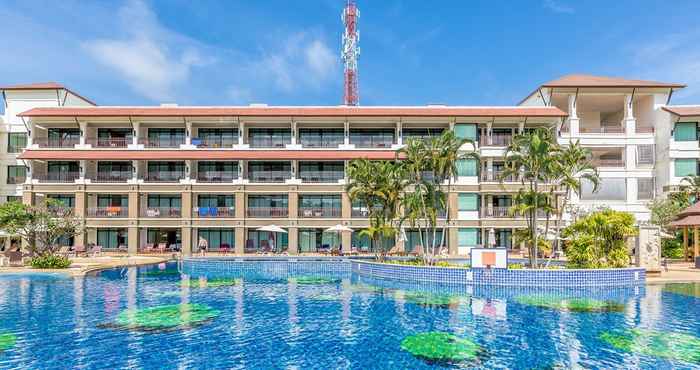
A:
(186, 233)
(294, 133)
(696, 243)
(83, 170)
(346, 128)
(685, 243)
(345, 206)
(489, 133)
(136, 134)
(453, 241)
(133, 239)
(240, 240)
(346, 241)
(293, 240)
(489, 169)
(629, 122)
(241, 133)
(188, 133)
(293, 204)
(186, 204)
(399, 133)
(83, 133)
(573, 116)
(80, 202)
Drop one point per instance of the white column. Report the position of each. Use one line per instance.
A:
(135, 172)
(83, 133)
(399, 133)
(83, 169)
(136, 135)
(188, 170)
(188, 133)
(294, 132)
(630, 155)
(489, 136)
(573, 116)
(521, 127)
(489, 169)
(629, 121)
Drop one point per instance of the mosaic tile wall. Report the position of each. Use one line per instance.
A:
(503, 277)
(264, 268)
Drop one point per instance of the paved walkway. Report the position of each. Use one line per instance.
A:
(83, 265)
(677, 272)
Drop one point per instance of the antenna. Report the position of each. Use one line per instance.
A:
(350, 52)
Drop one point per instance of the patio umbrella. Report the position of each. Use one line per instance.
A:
(274, 229)
(492, 238)
(337, 229)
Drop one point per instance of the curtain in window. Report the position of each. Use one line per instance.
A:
(685, 131)
(467, 167)
(466, 131)
(468, 237)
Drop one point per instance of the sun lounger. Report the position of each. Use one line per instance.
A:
(79, 249)
(16, 258)
(95, 251)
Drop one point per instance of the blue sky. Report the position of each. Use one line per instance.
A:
(287, 52)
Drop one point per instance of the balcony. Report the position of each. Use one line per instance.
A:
(319, 212)
(13, 180)
(110, 142)
(375, 142)
(496, 139)
(69, 142)
(171, 142)
(268, 212)
(598, 162)
(108, 212)
(60, 177)
(113, 177)
(161, 212)
(604, 128)
(496, 212)
(495, 176)
(213, 212)
(269, 176)
(215, 142)
(321, 176)
(270, 141)
(321, 138)
(164, 176)
(217, 176)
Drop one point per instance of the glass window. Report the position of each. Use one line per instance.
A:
(167, 135)
(608, 189)
(311, 240)
(163, 201)
(468, 237)
(16, 142)
(685, 131)
(112, 238)
(112, 200)
(211, 200)
(362, 243)
(321, 138)
(63, 167)
(645, 154)
(467, 167)
(169, 237)
(68, 200)
(645, 188)
(468, 202)
(466, 131)
(266, 241)
(685, 167)
(218, 238)
(413, 239)
(14, 198)
(16, 174)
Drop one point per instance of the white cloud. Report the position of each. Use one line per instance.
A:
(557, 7)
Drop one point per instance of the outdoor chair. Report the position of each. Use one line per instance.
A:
(95, 251)
(79, 249)
(16, 258)
(224, 248)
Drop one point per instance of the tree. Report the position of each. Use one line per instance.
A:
(41, 226)
(599, 240)
(530, 157)
(430, 167)
(665, 210)
(692, 187)
(572, 165)
(378, 186)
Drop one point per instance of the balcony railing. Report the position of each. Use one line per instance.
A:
(214, 212)
(359, 212)
(108, 212)
(644, 129)
(496, 212)
(608, 162)
(217, 176)
(173, 142)
(56, 142)
(612, 129)
(319, 212)
(321, 176)
(495, 176)
(269, 142)
(496, 140)
(161, 212)
(165, 176)
(119, 176)
(269, 176)
(12, 180)
(371, 142)
(57, 177)
(215, 142)
(321, 143)
(110, 142)
(265, 212)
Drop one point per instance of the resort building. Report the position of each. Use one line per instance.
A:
(145, 178)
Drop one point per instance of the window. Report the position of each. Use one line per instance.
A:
(310, 240)
(67, 200)
(163, 201)
(372, 138)
(466, 131)
(645, 188)
(14, 198)
(112, 238)
(217, 137)
(227, 167)
(468, 237)
(467, 167)
(685, 167)
(112, 200)
(269, 137)
(363, 243)
(265, 201)
(266, 241)
(413, 239)
(16, 141)
(166, 136)
(210, 200)
(421, 133)
(16, 174)
(218, 238)
(468, 202)
(321, 138)
(685, 131)
(645, 155)
(608, 189)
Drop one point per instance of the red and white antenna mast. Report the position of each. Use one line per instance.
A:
(351, 52)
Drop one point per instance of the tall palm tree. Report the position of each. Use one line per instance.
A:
(378, 185)
(573, 165)
(530, 157)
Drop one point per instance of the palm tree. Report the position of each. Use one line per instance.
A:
(530, 157)
(378, 185)
(573, 164)
(693, 186)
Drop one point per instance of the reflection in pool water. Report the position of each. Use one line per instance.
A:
(274, 318)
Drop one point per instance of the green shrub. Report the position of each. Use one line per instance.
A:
(672, 248)
(50, 261)
(598, 240)
(515, 266)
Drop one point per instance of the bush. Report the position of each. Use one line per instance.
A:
(50, 261)
(598, 240)
(672, 248)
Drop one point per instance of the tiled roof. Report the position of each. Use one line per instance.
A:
(182, 154)
(309, 111)
(44, 86)
(581, 80)
(683, 111)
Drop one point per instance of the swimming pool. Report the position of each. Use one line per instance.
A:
(290, 316)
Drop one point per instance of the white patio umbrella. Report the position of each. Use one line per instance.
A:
(272, 229)
(337, 229)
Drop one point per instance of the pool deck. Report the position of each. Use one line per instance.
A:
(678, 272)
(83, 265)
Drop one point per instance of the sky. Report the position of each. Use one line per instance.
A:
(209, 52)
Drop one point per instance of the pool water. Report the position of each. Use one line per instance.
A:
(260, 318)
